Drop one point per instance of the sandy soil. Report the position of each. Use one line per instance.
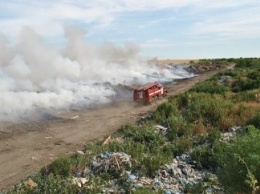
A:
(26, 147)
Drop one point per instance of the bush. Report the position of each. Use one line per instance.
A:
(164, 112)
(204, 157)
(212, 109)
(248, 84)
(151, 163)
(177, 127)
(255, 121)
(146, 190)
(239, 162)
(47, 184)
(62, 167)
(181, 145)
(246, 96)
(209, 87)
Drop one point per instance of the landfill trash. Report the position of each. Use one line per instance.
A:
(79, 181)
(120, 139)
(162, 129)
(30, 183)
(115, 162)
(74, 117)
(227, 136)
(108, 139)
(110, 161)
(172, 178)
(224, 80)
(80, 152)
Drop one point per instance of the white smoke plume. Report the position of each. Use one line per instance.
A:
(34, 75)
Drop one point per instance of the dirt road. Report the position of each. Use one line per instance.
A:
(29, 146)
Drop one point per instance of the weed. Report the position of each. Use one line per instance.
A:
(62, 167)
(232, 172)
(255, 120)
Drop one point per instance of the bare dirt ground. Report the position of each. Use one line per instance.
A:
(26, 147)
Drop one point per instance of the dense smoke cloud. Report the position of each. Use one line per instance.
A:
(36, 76)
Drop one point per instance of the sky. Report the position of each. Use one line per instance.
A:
(163, 29)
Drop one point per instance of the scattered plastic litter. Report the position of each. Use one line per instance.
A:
(173, 178)
(80, 152)
(162, 129)
(108, 139)
(227, 136)
(110, 161)
(30, 183)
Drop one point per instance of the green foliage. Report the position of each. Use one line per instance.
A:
(212, 109)
(210, 181)
(246, 84)
(181, 145)
(213, 137)
(233, 174)
(146, 190)
(62, 167)
(164, 112)
(177, 127)
(48, 184)
(255, 120)
(204, 157)
(246, 96)
(146, 135)
(247, 63)
(146, 145)
(246, 79)
(210, 87)
(151, 163)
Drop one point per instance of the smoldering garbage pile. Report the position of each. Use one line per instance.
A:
(37, 76)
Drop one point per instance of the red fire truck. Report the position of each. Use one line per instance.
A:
(149, 93)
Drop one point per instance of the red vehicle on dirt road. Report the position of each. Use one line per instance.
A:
(149, 93)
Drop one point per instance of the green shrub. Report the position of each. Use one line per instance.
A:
(213, 136)
(163, 112)
(210, 181)
(181, 145)
(255, 121)
(204, 157)
(248, 84)
(62, 167)
(151, 163)
(238, 161)
(47, 184)
(245, 96)
(212, 109)
(177, 127)
(146, 135)
(146, 190)
(209, 87)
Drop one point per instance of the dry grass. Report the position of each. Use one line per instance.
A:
(199, 128)
(245, 111)
(171, 61)
(175, 61)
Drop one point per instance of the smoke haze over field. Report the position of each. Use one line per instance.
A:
(36, 76)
